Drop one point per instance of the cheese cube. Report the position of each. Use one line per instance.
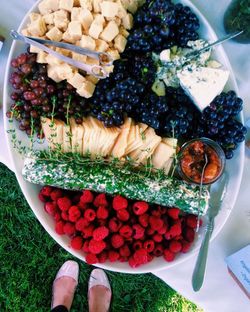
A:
(114, 54)
(101, 45)
(120, 43)
(92, 61)
(122, 12)
(34, 49)
(52, 73)
(127, 21)
(48, 6)
(86, 90)
(52, 60)
(132, 6)
(41, 57)
(37, 28)
(109, 9)
(96, 6)
(92, 78)
(75, 14)
(34, 16)
(65, 71)
(49, 19)
(124, 32)
(86, 4)
(110, 31)
(66, 37)
(109, 69)
(66, 5)
(95, 29)
(79, 57)
(99, 19)
(54, 34)
(116, 19)
(63, 52)
(75, 30)
(77, 81)
(25, 32)
(76, 3)
(86, 18)
(87, 42)
(61, 19)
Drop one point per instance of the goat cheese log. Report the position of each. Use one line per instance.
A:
(111, 179)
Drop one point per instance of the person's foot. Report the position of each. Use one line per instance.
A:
(99, 294)
(65, 284)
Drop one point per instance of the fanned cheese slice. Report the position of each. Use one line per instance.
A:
(172, 142)
(53, 132)
(76, 136)
(111, 135)
(142, 127)
(135, 139)
(151, 141)
(86, 136)
(122, 140)
(163, 156)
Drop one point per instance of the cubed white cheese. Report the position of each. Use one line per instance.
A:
(77, 80)
(79, 57)
(61, 19)
(66, 5)
(86, 90)
(109, 9)
(54, 34)
(34, 16)
(110, 31)
(86, 4)
(48, 6)
(122, 12)
(127, 21)
(114, 54)
(38, 27)
(101, 45)
(53, 60)
(96, 6)
(49, 19)
(92, 78)
(87, 42)
(124, 32)
(203, 84)
(41, 57)
(75, 30)
(66, 37)
(120, 43)
(95, 29)
(86, 18)
(75, 14)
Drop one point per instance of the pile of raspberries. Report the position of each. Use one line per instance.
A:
(117, 229)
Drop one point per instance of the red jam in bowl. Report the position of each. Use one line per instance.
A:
(192, 161)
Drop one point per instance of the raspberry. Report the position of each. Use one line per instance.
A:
(189, 234)
(90, 214)
(168, 255)
(123, 259)
(74, 213)
(175, 229)
(100, 233)
(191, 221)
(42, 198)
(91, 258)
(175, 246)
(125, 251)
(137, 245)
(120, 202)
(163, 230)
(143, 220)
(132, 262)
(174, 213)
(156, 213)
(57, 216)
(81, 224)
(157, 238)
(88, 231)
(50, 208)
(150, 231)
(100, 200)
(69, 228)
(46, 191)
(140, 208)
(96, 247)
(141, 256)
(117, 240)
(150, 258)
(87, 197)
(113, 255)
(64, 203)
(123, 215)
(102, 212)
(82, 206)
(163, 210)
(59, 228)
(65, 216)
(149, 245)
(85, 246)
(76, 242)
(185, 246)
(114, 225)
(158, 251)
(102, 257)
(126, 231)
(54, 195)
(155, 222)
(102, 222)
(139, 231)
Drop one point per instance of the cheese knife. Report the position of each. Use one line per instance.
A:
(217, 194)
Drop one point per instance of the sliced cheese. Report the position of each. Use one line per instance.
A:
(122, 140)
(77, 132)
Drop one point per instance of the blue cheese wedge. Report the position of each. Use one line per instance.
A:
(203, 84)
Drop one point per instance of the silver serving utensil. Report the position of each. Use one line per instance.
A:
(195, 53)
(95, 70)
(217, 194)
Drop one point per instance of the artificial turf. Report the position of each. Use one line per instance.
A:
(30, 258)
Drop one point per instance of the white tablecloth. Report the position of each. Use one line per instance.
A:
(219, 293)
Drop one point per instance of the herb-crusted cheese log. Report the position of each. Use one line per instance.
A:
(112, 179)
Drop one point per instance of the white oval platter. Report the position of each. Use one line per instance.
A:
(234, 167)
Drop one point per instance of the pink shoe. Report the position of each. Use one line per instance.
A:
(64, 285)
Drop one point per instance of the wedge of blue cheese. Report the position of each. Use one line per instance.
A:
(203, 84)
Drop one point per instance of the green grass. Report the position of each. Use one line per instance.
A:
(29, 260)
